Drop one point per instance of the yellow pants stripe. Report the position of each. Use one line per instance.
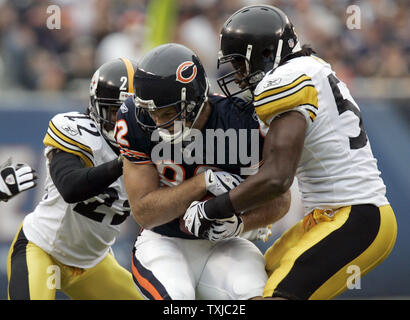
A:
(311, 260)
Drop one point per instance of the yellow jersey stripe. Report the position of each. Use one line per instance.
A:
(284, 88)
(67, 139)
(305, 95)
(49, 141)
(130, 73)
(312, 115)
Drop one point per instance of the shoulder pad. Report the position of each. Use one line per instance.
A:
(286, 88)
(75, 133)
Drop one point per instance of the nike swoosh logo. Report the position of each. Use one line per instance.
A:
(210, 179)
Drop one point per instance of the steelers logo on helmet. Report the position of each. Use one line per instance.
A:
(94, 83)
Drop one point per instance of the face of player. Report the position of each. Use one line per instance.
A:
(240, 66)
(110, 114)
(162, 116)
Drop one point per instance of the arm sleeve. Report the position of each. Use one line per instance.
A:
(77, 183)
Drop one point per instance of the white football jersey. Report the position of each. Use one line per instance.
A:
(78, 234)
(337, 167)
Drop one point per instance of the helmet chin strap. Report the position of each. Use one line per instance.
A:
(278, 54)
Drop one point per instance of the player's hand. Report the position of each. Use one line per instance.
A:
(225, 229)
(198, 223)
(263, 234)
(15, 179)
(219, 182)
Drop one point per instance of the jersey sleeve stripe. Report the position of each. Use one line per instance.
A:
(57, 139)
(52, 142)
(303, 78)
(312, 115)
(62, 136)
(135, 159)
(311, 110)
(136, 153)
(284, 93)
(305, 95)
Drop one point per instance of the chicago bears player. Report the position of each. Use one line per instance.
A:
(171, 159)
(313, 130)
(15, 178)
(66, 242)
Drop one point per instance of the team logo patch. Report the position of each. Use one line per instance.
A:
(186, 72)
(94, 83)
(124, 108)
(70, 130)
(273, 82)
(10, 179)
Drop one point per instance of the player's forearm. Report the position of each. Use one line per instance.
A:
(268, 213)
(165, 204)
(77, 183)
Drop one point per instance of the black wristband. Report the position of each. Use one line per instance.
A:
(219, 207)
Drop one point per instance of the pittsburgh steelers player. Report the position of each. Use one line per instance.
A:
(313, 130)
(15, 178)
(65, 243)
(172, 107)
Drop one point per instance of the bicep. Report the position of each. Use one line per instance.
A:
(284, 144)
(139, 179)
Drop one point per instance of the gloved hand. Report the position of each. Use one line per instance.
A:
(225, 229)
(219, 182)
(198, 223)
(262, 233)
(15, 179)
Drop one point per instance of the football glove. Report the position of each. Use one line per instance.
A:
(219, 182)
(225, 229)
(263, 234)
(15, 179)
(198, 223)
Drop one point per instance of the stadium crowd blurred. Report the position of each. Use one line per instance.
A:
(34, 57)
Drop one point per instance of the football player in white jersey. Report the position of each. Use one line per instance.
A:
(15, 178)
(65, 243)
(313, 131)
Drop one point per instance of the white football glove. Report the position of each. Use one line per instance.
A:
(198, 223)
(15, 179)
(263, 234)
(225, 229)
(219, 182)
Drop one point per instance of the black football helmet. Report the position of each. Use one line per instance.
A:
(170, 75)
(110, 86)
(255, 40)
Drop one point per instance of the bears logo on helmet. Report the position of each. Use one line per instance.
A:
(184, 66)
